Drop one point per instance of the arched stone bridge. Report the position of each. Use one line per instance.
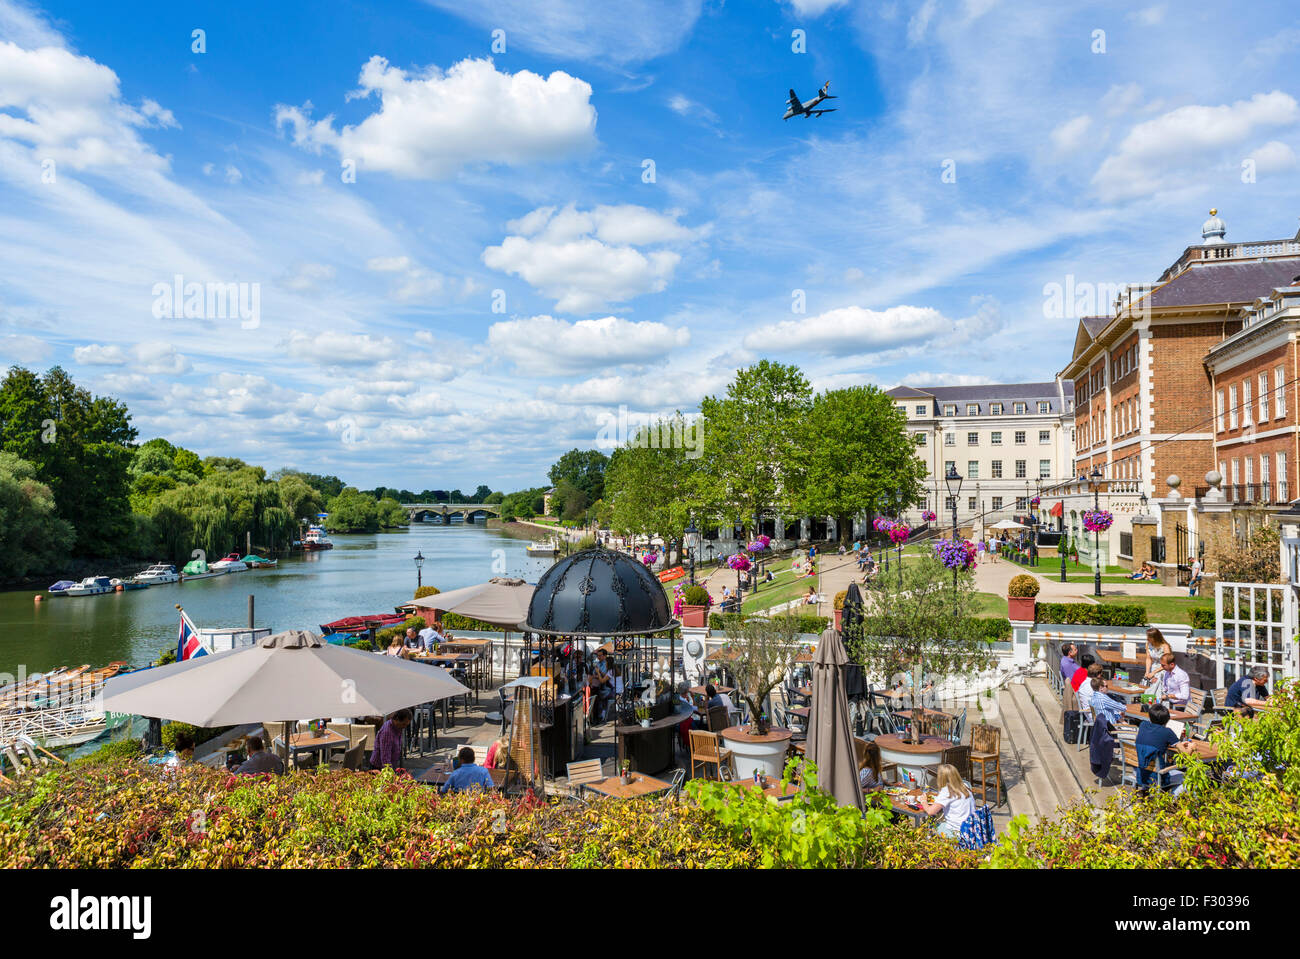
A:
(467, 511)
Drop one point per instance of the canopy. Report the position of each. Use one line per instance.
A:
(501, 601)
(285, 677)
(1058, 509)
(830, 736)
(1008, 524)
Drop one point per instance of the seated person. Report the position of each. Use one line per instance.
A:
(810, 597)
(1250, 690)
(260, 760)
(430, 638)
(1172, 682)
(767, 576)
(954, 800)
(1145, 572)
(1154, 738)
(467, 775)
(869, 775)
(396, 647)
(713, 698)
(1085, 688)
(1080, 674)
(1105, 708)
(412, 639)
(183, 752)
(497, 754)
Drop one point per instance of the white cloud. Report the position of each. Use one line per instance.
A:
(587, 260)
(308, 276)
(310, 178)
(233, 174)
(631, 31)
(1154, 152)
(546, 345)
(97, 354)
(1148, 16)
(1273, 157)
(341, 349)
(155, 357)
(1072, 134)
(24, 349)
(431, 124)
(813, 8)
(851, 330)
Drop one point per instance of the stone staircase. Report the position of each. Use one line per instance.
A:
(1042, 771)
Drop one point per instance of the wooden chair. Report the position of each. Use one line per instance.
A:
(959, 758)
(717, 719)
(1220, 697)
(1196, 702)
(1129, 761)
(580, 773)
(986, 748)
(706, 752)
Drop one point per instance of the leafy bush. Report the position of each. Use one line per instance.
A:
(1236, 821)
(586, 542)
(993, 630)
(1090, 614)
(696, 596)
(364, 645)
(456, 621)
(806, 622)
(385, 636)
(197, 734)
(840, 597)
(1023, 586)
(424, 591)
(1203, 618)
(140, 816)
(122, 749)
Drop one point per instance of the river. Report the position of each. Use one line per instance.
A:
(364, 573)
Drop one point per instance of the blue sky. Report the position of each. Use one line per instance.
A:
(498, 277)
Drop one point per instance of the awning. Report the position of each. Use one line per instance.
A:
(1058, 510)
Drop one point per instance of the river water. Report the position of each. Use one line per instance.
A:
(362, 574)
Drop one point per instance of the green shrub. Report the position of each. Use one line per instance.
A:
(198, 734)
(994, 630)
(695, 596)
(805, 622)
(385, 636)
(1203, 618)
(456, 621)
(122, 749)
(1090, 614)
(363, 644)
(424, 591)
(1023, 586)
(586, 542)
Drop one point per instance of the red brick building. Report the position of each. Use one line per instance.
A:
(1217, 326)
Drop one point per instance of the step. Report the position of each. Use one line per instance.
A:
(1033, 782)
(1076, 758)
(1063, 787)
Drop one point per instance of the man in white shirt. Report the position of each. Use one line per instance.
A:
(1173, 681)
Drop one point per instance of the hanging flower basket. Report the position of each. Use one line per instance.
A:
(757, 546)
(650, 558)
(928, 515)
(1035, 501)
(1097, 520)
(898, 533)
(956, 553)
(879, 524)
(738, 561)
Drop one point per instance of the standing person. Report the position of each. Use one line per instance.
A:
(1157, 646)
(955, 801)
(387, 750)
(1194, 586)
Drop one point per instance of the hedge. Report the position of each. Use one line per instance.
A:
(806, 622)
(1090, 614)
(1203, 618)
(994, 630)
(456, 621)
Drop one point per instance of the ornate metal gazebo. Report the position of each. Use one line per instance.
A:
(603, 594)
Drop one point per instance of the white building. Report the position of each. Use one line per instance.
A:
(1007, 441)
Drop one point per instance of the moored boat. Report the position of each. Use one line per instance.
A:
(253, 561)
(157, 574)
(90, 586)
(230, 564)
(357, 624)
(543, 549)
(198, 569)
(125, 584)
(61, 587)
(316, 539)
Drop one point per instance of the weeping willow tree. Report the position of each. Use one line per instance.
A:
(224, 510)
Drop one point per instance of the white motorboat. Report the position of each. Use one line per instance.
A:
(542, 549)
(91, 586)
(157, 574)
(229, 564)
(316, 539)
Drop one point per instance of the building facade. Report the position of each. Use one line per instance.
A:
(1168, 388)
(1007, 442)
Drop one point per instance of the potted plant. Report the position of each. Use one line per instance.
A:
(643, 715)
(765, 649)
(695, 606)
(1020, 597)
(839, 607)
(625, 775)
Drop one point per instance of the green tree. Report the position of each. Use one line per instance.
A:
(853, 455)
(301, 500)
(921, 624)
(494, 498)
(32, 537)
(390, 513)
(748, 436)
(651, 488)
(481, 494)
(353, 510)
(584, 469)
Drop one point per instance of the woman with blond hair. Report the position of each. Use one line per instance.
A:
(954, 800)
(1157, 646)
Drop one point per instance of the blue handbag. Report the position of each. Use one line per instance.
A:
(977, 831)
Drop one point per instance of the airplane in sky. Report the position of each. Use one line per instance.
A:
(806, 109)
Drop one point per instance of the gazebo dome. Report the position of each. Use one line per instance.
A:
(599, 592)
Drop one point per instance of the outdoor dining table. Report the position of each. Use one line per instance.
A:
(898, 801)
(308, 742)
(1116, 657)
(771, 786)
(910, 713)
(1126, 691)
(638, 785)
(437, 774)
(912, 757)
(725, 690)
(1134, 711)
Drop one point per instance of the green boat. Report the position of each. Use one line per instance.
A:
(253, 561)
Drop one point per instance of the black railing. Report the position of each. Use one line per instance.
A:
(1126, 544)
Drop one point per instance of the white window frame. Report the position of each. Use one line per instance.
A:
(949, 439)
(997, 469)
(1220, 409)
(1044, 469)
(1263, 397)
(996, 409)
(1022, 469)
(1044, 437)
(972, 469)
(1044, 406)
(1020, 409)
(1279, 392)
(1245, 402)
(972, 409)
(1232, 408)
(973, 438)
(1021, 437)
(950, 409)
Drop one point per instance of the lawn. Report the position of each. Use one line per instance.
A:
(1163, 609)
(990, 606)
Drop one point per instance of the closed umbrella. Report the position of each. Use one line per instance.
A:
(830, 737)
(284, 677)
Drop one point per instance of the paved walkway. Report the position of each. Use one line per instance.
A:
(993, 577)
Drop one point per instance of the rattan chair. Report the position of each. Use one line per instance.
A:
(986, 748)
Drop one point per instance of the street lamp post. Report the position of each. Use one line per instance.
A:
(419, 574)
(1094, 481)
(953, 479)
(1060, 543)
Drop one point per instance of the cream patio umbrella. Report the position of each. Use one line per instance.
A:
(281, 679)
(502, 601)
(830, 735)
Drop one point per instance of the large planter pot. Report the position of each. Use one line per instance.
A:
(766, 753)
(695, 616)
(1020, 608)
(839, 614)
